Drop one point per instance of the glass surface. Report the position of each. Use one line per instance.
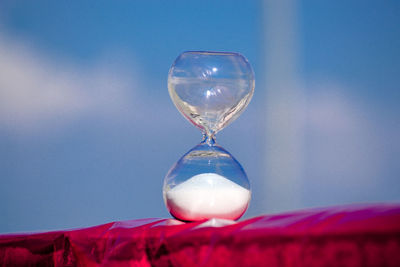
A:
(210, 89)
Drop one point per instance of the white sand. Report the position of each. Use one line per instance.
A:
(205, 196)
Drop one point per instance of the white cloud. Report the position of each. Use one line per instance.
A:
(343, 152)
(38, 92)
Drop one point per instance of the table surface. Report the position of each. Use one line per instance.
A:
(356, 235)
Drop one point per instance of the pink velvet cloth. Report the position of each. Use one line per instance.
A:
(334, 236)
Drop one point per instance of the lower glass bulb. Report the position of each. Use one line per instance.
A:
(207, 182)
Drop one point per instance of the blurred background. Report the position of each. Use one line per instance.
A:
(88, 131)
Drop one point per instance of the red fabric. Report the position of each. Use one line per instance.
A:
(338, 236)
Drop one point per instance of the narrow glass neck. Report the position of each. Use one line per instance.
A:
(209, 140)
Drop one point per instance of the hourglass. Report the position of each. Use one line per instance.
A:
(210, 89)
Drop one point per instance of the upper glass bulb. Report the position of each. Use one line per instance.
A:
(211, 89)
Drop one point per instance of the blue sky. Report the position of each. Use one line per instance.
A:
(88, 130)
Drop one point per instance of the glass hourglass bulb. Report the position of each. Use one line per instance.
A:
(210, 89)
